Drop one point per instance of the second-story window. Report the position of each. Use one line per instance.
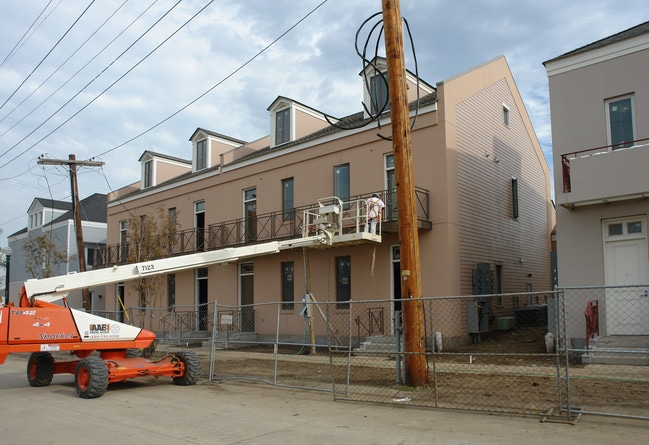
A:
(283, 126)
(123, 247)
(619, 117)
(514, 198)
(379, 93)
(341, 182)
(391, 186)
(201, 154)
(250, 214)
(90, 257)
(287, 199)
(173, 227)
(199, 224)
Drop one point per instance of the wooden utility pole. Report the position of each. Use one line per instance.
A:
(72, 163)
(413, 320)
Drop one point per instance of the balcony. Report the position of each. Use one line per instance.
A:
(274, 226)
(605, 174)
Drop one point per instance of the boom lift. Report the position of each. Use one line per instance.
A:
(40, 326)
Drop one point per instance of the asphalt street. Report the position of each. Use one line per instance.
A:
(150, 411)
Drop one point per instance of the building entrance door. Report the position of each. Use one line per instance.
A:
(395, 264)
(626, 263)
(247, 289)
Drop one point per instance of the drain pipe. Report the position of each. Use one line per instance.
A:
(398, 333)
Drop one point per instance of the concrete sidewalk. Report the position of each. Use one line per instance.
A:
(150, 411)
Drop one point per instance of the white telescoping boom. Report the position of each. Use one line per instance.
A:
(324, 221)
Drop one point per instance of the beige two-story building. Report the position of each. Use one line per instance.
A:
(482, 188)
(599, 100)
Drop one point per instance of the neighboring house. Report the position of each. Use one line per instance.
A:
(55, 220)
(482, 186)
(599, 101)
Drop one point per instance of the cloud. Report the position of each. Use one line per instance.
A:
(315, 63)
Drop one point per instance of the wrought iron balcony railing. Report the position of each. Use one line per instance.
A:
(273, 226)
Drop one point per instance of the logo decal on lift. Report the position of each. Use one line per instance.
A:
(102, 330)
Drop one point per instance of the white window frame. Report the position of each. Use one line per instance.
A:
(625, 235)
(288, 137)
(607, 102)
(206, 157)
(148, 176)
(506, 116)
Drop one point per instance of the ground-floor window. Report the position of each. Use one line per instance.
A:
(343, 281)
(288, 288)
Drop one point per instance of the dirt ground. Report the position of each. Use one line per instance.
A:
(506, 371)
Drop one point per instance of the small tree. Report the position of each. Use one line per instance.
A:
(151, 237)
(42, 256)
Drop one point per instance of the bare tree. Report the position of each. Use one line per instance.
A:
(151, 237)
(42, 256)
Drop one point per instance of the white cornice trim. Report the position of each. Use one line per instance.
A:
(272, 154)
(597, 55)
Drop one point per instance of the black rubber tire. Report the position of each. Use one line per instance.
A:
(192, 368)
(40, 369)
(91, 378)
(133, 353)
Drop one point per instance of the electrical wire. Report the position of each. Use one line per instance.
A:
(62, 64)
(117, 198)
(375, 110)
(246, 63)
(23, 39)
(46, 55)
(80, 69)
(100, 94)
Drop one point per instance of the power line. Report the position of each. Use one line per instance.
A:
(22, 40)
(64, 62)
(173, 114)
(88, 84)
(46, 55)
(80, 69)
(217, 84)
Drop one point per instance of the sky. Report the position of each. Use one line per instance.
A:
(108, 79)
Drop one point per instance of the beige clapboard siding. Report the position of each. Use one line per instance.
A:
(487, 160)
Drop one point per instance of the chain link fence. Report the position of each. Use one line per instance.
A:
(605, 335)
(557, 354)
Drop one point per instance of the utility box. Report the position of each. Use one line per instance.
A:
(505, 323)
(478, 312)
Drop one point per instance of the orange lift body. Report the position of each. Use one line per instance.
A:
(42, 328)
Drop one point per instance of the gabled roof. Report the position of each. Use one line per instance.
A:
(93, 209)
(637, 30)
(51, 204)
(217, 135)
(381, 62)
(288, 99)
(164, 156)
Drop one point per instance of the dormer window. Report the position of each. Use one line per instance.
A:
(283, 126)
(148, 173)
(201, 154)
(35, 220)
(375, 87)
(379, 96)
